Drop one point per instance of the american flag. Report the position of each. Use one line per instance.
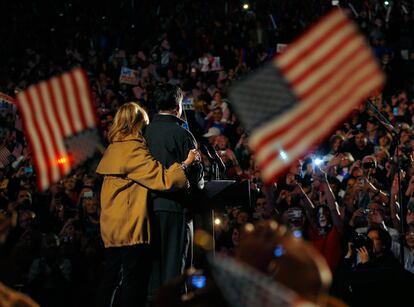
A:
(295, 101)
(59, 122)
(7, 104)
(6, 99)
(245, 286)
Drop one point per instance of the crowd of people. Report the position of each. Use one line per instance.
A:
(343, 197)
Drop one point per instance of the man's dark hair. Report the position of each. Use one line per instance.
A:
(167, 97)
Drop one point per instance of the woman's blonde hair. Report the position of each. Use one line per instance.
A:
(129, 120)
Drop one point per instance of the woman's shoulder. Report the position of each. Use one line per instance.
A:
(129, 141)
(125, 143)
(119, 152)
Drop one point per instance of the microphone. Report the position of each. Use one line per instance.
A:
(207, 149)
(378, 115)
(218, 160)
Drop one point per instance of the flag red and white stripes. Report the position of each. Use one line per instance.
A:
(52, 111)
(328, 70)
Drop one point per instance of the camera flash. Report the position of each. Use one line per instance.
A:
(317, 161)
(283, 155)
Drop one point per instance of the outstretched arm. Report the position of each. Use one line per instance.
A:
(394, 205)
(333, 206)
(309, 207)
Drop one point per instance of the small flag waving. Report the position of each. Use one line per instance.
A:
(7, 104)
(293, 102)
(60, 124)
(6, 99)
(244, 286)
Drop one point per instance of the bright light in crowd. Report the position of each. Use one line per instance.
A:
(297, 234)
(249, 227)
(278, 252)
(62, 161)
(283, 155)
(245, 6)
(335, 2)
(386, 3)
(317, 161)
(198, 281)
(217, 221)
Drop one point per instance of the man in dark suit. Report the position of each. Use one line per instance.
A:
(171, 222)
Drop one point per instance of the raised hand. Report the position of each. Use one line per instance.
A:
(363, 254)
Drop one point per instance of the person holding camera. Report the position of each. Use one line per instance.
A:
(340, 166)
(375, 173)
(374, 216)
(373, 275)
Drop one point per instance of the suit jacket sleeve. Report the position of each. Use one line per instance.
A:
(141, 167)
(195, 172)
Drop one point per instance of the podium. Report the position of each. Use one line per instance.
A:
(216, 195)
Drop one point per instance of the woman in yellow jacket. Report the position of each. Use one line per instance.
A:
(129, 173)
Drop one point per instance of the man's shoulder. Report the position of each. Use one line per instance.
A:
(164, 128)
(160, 125)
(164, 122)
(166, 119)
